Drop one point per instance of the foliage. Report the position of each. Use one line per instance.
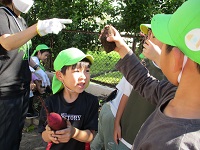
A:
(125, 15)
(103, 62)
(81, 33)
(135, 12)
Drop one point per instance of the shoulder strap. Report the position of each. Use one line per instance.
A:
(6, 9)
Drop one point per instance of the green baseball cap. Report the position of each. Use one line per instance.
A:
(144, 28)
(39, 48)
(67, 57)
(180, 29)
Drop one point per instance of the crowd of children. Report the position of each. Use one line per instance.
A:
(174, 124)
(169, 113)
(172, 44)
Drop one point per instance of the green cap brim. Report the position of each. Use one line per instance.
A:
(159, 26)
(144, 28)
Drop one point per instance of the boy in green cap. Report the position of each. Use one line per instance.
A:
(40, 54)
(126, 129)
(70, 100)
(175, 123)
(151, 45)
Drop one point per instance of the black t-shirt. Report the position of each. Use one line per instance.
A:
(15, 74)
(82, 113)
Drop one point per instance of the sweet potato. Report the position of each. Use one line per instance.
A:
(54, 120)
(108, 46)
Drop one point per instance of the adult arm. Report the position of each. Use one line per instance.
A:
(18, 39)
(42, 27)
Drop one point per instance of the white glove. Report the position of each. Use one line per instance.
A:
(54, 26)
(43, 76)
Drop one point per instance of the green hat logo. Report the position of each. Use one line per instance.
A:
(181, 29)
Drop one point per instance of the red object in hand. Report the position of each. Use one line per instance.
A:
(87, 146)
(55, 121)
(48, 145)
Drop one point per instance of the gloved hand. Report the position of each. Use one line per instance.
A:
(54, 26)
(41, 74)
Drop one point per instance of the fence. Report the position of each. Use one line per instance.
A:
(103, 69)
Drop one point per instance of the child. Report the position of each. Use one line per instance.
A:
(151, 46)
(104, 137)
(70, 100)
(131, 116)
(35, 85)
(175, 123)
(111, 112)
(40, 54)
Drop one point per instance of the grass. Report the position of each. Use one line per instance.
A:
(111, 79)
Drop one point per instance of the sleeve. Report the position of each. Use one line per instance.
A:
(36, 60)
(34, 77)
(146, 85)
(91, 121)
(124, 86)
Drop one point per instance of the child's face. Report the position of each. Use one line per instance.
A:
(77, 79)
(43, 56)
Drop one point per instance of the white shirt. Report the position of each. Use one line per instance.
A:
(124, 87)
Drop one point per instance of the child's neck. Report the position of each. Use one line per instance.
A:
(186, 103)
(70, 96)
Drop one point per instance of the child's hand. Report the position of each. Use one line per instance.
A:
(32, 86)
(105, 32)
(117, 133)
(51, 135)
(151, 51)
(121, 46)
(65, 135)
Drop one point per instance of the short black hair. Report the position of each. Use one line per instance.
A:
(83, 63)
(42, 51)
(169, 49)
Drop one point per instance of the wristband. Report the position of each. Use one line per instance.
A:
(35, 67)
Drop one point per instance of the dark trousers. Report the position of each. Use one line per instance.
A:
(12, 117)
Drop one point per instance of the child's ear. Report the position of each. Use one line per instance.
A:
(59, 75)
(178, 59)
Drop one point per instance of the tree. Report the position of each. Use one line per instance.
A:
(125, 15)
